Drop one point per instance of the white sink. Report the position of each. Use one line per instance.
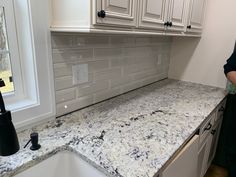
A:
(63, 164)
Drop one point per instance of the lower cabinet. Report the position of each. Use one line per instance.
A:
(185, 163)
(197, 155)
(210, 132)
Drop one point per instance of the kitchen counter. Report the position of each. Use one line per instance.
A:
(132, 135)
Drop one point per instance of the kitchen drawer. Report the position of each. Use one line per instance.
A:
(207, 127)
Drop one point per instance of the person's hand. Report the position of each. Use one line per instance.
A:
(232, 76)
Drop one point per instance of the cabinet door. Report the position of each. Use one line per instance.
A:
(196, 15)
(203, 156)
(185, 163)
(215, 136)
(117, 12)
(153, 13)
(177, 15)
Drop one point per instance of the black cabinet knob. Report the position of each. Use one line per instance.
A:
(102, 14)
(189, 26)
(166, 23)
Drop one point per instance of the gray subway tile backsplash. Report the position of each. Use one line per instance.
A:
(116, 64)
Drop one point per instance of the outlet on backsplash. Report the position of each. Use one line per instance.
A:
(91, 68)
(80, 74)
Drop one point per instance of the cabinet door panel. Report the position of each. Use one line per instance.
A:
(177, 14)
(153, 13)
(197, 14)
(118, 12)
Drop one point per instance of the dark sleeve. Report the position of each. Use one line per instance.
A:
(230, 64)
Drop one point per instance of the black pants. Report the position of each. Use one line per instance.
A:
(226, 150)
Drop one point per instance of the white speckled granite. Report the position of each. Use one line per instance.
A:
(132, 135)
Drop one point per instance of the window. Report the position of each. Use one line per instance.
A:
(25, 60)
(9, 54)
(5, 63)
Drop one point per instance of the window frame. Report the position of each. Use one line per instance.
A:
(36, 102)
(12, 97)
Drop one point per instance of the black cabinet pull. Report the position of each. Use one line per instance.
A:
(189, 26)
(102, 14)
(208, 127)
(221, 109)
(170, 24)
(213, 132)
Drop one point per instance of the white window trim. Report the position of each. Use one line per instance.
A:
(34, 41)
(14, 53)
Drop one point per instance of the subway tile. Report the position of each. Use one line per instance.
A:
(131, 69)
(62, 69)
(132, 86)
(63, 83)
(152, 79)
(65, 95)
(121, 81)
(92, 88)
(107, 74)
(117, 62)
(145, 74)
(161, 40)
(66, 107)
(143, 41)
(98, 65)
(103, 95)
(61, 41)
(91, 41)
(107, 53)
(122, 41)
(72, 55)
(165, 48)
(137, 51)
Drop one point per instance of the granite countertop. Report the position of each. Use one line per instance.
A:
(132, 135)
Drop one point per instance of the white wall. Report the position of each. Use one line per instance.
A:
(201, 60)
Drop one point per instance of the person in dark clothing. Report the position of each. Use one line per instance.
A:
(226, 150)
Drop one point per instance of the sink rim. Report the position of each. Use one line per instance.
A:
(46, 156)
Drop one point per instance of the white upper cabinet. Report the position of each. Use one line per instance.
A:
(163, 14)
(128, 16)
(177, 15)
(153, 14)
(196, 15)
(116, 12)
